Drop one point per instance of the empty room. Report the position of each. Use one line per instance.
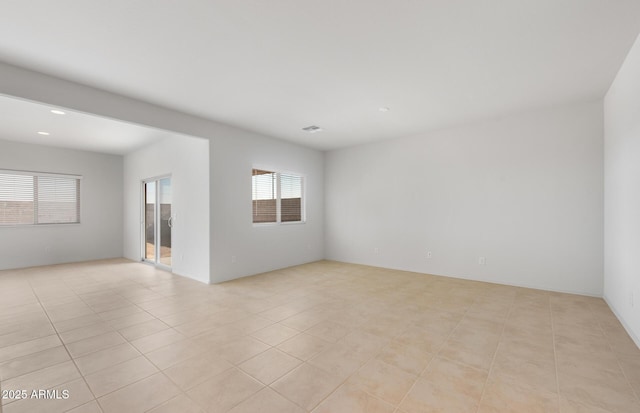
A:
(320, 206)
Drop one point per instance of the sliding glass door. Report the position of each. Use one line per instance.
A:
(158, 221)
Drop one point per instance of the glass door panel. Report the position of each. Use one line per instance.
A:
(166, 221)
(157, 221)
(150, 221)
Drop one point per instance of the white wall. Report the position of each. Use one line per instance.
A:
(186, 159)
(232, 152)
(524, 191)
(622, 194)
(99, 235)
(259, 248)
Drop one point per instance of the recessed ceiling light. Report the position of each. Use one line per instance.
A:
(57, 112)
(312, 129)
(383, 109)
(43, 133)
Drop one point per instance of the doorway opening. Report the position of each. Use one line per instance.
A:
(157, 221)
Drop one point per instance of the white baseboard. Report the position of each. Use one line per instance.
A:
(624, 324)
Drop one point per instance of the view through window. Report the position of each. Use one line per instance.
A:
(29, 198)
(277, 197)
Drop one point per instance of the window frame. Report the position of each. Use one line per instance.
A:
(35, 174)
(303, 197)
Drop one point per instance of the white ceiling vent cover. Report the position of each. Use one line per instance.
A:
(312, 129)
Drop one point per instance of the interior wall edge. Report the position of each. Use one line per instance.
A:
(622, 320)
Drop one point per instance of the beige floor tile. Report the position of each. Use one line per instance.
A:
(386, 330)
(606, 390)
(251, 324)
(411, 358)
(91, 407)
(351, 399)
(26, 332)
(631, 367)
(29, 347)
(33, 362)
(108, 357)
(78, 322)
(570, 344)
(130, 320)
(340, 360)
(329, 331)
(304, 346)
(120, 375)
(279, 313)
(44, 378)
(142, 329)
(266, 401)
(182, 317)
(275, 334)
(179, 404)
(225, 391)
(269, 366)
(619, 340)
(120, 312)
(429, 340)
(505, 396)
(175, 353)
(68, 311)
(307, 385)
(140, 396)
(364, 343)
(197, 327)
(523, 366)
(384, 381)
(445, 386)
(239, 350)
(157, 340)
(92, 344)
(96, 329)
(195, 370)
(588, 365)
(304, 320)
(479, 354)
(571, 406)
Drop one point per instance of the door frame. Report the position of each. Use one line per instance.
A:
(157, 216)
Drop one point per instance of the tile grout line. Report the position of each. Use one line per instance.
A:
(435, 354)
(307, 362)
(115, 331)
(62, 342)
(555, 351)
(495, 354)
(624, 373)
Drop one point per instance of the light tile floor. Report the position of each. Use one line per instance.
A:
(322, 337)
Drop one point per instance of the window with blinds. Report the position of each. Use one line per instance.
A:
(290, 198)
(277, 197)
(29, 198)
(264, 196)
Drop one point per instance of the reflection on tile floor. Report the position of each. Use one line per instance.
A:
(323, 337)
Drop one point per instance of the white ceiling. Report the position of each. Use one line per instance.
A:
(22, 120)
(277, 66)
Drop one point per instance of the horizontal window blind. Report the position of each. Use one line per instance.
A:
(29, 198)
(290, 198)
(264, 196)
(17, 201)
(277, 197)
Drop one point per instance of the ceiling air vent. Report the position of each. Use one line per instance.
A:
(312, 129)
